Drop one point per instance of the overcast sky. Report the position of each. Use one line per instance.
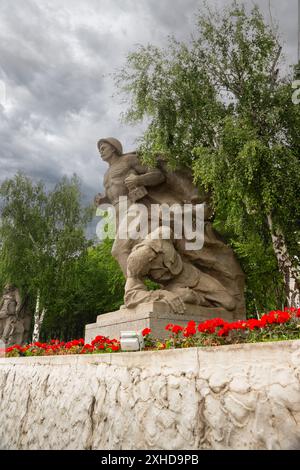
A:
(55, 61)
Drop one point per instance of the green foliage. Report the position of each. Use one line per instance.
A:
(21, 207)
(264, 282)
(151, 285)
(172, 89)
(220, 106)
(42, 236)
(95, 286)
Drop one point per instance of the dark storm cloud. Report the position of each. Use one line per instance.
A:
(56, 58)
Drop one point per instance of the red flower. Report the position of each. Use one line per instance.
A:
(169, 327)
(276, 317)
(190, 329)
(177, 329)
(100, 339)
(253, 323)
(223, 332)
(146, 331)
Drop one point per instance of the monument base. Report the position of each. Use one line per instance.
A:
(154, 315)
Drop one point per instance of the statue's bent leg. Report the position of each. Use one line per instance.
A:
(121, 249)
(8, 330)
(125, 240)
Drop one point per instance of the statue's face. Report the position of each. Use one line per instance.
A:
(106, 151)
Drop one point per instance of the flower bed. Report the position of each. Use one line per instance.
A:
(276, 325)
(101, 344)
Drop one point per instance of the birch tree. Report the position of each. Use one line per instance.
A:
(222, 105)
(42, 234)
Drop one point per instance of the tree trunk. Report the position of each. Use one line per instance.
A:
(38, 320)
(291, 275)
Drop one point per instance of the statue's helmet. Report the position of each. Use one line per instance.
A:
(115, 143)
(9, 288)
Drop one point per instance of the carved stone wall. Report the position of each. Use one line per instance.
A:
(233, 397)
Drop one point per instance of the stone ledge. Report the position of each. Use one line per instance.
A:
(242, 352)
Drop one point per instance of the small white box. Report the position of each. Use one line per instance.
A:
(131, 341)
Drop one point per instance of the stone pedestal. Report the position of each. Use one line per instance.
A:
(154, 315)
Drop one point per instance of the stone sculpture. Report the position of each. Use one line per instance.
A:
(15, 319)
(8, 313)
(209, 277)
